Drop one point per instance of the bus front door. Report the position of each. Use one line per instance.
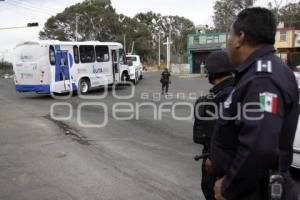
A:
(115, 65)
(62, 72)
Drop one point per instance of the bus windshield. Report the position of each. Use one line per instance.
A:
(129, 58)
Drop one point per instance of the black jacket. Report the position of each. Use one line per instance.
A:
(244, 149)
(203, 129)
(165, 76)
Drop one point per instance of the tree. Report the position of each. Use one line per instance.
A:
(137, 33)
(5, 67)
(97, 20)
(290, 15)
(176, 27)
(226, 11)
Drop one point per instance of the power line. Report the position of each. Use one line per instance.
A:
(35, 6)
(28, 8)
(16, 27)
(22, 15)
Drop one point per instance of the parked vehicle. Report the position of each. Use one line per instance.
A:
(296, 160)
(297, 75)
(6, 76)
(55, 66)
(136, 71)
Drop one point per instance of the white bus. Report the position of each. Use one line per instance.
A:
(60, 67)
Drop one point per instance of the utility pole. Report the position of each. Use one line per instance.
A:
(125, 44)
(159, 50)
(132, 48)
(168, 43)
(168, 53)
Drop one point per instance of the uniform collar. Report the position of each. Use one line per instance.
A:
(226, 83)
(255, 57)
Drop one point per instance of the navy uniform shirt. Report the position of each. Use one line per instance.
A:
(165, 76)
(245, 145)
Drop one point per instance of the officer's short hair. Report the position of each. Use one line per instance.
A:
(258, 24)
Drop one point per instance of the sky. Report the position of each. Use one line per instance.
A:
(16, 13)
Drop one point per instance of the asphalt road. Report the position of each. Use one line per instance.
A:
(143, 157)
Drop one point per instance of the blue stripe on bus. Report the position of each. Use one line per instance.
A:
(71, 60)
(33, 88)
(74, 87)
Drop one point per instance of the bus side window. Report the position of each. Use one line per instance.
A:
(76, 54)
(52, 55)
(102, 54)
(87, 54)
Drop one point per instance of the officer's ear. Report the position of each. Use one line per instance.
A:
(241, 39)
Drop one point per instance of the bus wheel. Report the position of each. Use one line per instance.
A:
(84, 86)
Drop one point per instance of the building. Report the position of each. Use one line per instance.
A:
(200, 45)
(287, 43)
(203, 42)
(295, 57)
(297, 38)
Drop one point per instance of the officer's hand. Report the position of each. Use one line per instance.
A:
(208, 166)
(217, 189)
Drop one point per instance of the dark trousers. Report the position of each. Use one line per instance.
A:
(164, 85)
(208, 180)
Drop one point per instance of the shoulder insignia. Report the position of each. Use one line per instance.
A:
(264, 66)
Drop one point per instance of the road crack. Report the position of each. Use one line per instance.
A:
(69, 131)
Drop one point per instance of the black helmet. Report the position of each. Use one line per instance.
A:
(218, 63)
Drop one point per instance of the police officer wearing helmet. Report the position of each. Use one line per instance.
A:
(221, 77)
(252, 145)
(165, 81)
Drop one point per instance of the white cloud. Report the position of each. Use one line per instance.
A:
(199, 12)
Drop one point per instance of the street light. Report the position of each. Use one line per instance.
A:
(159, 49)
(168, 43)
(158, 42)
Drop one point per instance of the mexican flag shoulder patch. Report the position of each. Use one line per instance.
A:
(268, 102)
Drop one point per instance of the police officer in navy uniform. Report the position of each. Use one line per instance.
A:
(220, 75)
(255, 135)
(165, 81)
